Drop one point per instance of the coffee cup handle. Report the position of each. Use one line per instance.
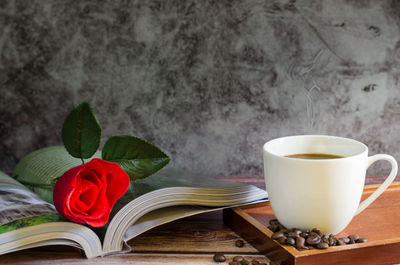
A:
(372, 159)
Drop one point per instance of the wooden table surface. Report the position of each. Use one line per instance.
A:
(192, 240)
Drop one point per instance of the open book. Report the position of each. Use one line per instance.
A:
(27, 221)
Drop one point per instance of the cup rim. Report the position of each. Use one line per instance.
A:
(349, 140)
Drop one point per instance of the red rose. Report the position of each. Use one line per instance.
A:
(87, 193)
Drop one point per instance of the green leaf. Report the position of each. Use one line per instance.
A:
(81, 132)
(136, 157)
(41, 169)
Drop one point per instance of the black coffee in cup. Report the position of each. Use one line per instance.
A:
(314, 156)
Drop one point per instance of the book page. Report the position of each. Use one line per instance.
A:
(30, 221)
(168, 178)
(163, 216)
(7, 180)
(17, 203)
(169, 188)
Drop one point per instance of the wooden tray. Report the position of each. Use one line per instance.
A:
(380, 223)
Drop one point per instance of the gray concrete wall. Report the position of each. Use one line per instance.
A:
(207, 81)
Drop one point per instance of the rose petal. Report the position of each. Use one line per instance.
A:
(88, 192)
(86, 179)
(62, 190)
(84, 196)
(117, 180)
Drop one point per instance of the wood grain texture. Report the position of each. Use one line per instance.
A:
(379, 223)
(191, 235)
(42, 256)
(192, 240)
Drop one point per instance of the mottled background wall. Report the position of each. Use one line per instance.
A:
(207, 81)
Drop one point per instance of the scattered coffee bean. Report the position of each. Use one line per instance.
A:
(291, 241)
(219, 257)
(322, 245)
(278, 234)
(303, 240)
(313, 239)
(300, 243)
(240, 260)
(361, 240)
(316, 230)
(305, 234)
(237, 258)
(274, 228)
(295, 233)
(332, 240)
(340, 242)
(274, 225)
(239, 243)
(353, 238)
(282, 240)
(244, 262)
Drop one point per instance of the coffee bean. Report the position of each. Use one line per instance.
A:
(332, 240)
(313, 239)
(237, 258)
(239, 243)
(305, 234)
(219, 257)
(353, 238)
(255, 262)
(362, 240)
(274, 225)
(322, 245)
(274, 228)
(244, 262)
(282, 240)
(291, 241)
(316, 230)
(277, 235)
(300, 243)
(340, 242)
(233, 263)
(295, 233)
(301, 239)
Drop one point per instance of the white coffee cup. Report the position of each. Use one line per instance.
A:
(326, 193)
